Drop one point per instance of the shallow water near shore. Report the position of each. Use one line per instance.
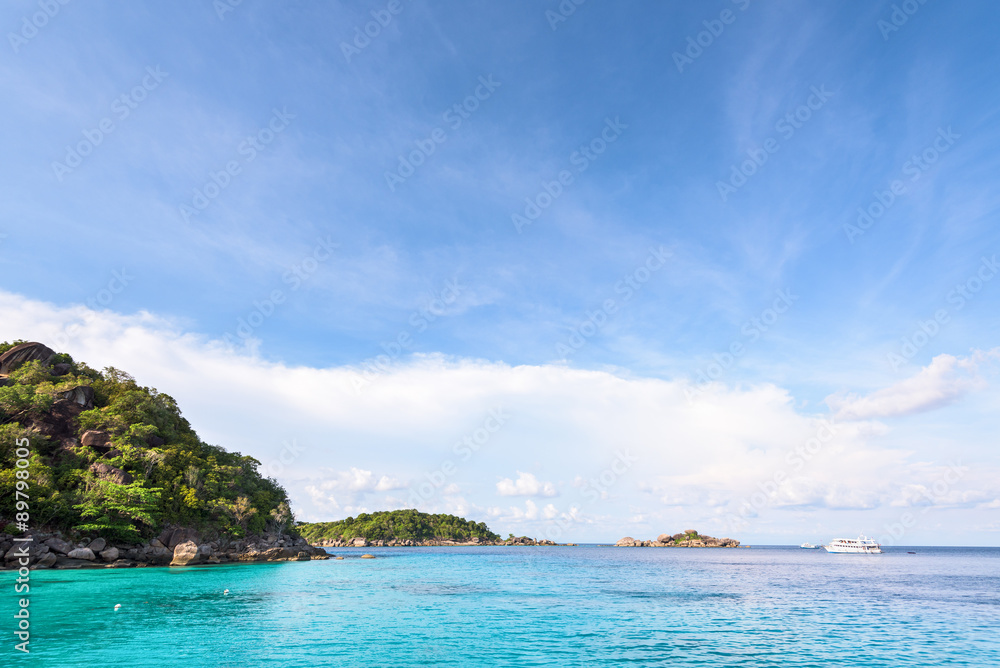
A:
(528, 606)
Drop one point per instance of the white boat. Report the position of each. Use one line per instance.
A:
(859, 545)
(810, 546)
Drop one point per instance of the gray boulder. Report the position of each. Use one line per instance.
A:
(110, 554)
(23, 353)
(98, 544)
(47, 560)
(82, 553)
(59, 545)
(187, 554)
(82, 395)
(110, 473)
(100, 440)
(158, 555)
(178, 536)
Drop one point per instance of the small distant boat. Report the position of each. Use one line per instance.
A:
(860, 545)
(810, 546)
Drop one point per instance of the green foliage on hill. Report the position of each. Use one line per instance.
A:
(176, 478)
(400, 525)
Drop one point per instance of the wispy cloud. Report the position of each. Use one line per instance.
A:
(944, 381)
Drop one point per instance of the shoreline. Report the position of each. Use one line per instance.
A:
(176, 547)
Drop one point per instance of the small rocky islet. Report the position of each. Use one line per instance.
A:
(690, 538)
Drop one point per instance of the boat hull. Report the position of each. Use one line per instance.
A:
(852, 550)
(860, 545)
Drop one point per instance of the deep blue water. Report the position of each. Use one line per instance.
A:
(530, 606)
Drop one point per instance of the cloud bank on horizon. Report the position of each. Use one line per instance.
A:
(615, 270)
(558, 451)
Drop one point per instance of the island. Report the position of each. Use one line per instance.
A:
(407, 528)
(690, 538)
(99, 471)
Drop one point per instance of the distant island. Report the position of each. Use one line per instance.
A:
(97, 470)
(690, 538)
(100, 471)
(406, 528)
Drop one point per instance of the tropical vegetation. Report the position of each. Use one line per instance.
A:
(407, 524)
(155, 470)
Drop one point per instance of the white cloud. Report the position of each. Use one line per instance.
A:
(354, 483)
(525, 485)
(945, 380)
(694, 461)
(530, 511)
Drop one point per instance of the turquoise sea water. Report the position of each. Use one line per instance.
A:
(541, 606)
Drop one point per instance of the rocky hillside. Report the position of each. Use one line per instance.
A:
(95, 464)
(689, 538)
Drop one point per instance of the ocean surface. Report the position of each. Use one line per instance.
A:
(527, 606)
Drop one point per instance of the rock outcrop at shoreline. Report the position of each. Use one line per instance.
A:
(689, 538)
(173, 547)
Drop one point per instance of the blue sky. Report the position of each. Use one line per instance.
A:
(643, 271)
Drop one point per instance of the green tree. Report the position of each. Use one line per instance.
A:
(114, 510)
